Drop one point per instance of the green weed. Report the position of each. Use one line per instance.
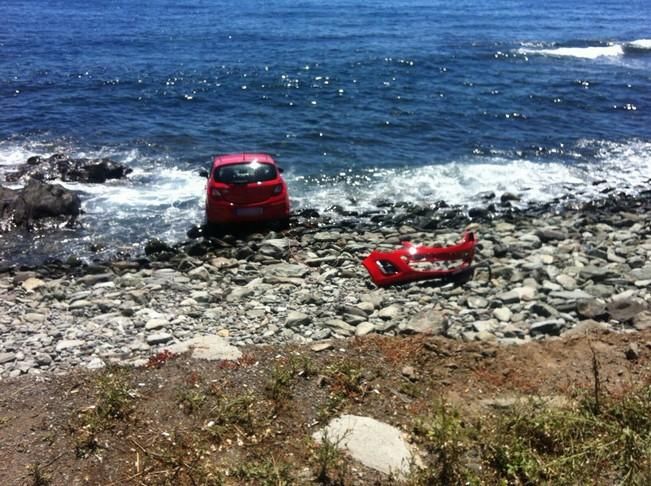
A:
(539, 443)
(191, 400)
(38, 477)
(229, 413)
(267, 472)
(113, 402)
(279, 385)
(331, 466)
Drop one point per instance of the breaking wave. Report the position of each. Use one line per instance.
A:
(625, 166)
(587, 52)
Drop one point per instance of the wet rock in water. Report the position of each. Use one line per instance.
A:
(195, 232)
(478, 213)
(486, 195)
(37, 200)
(509, 196)
(307, 213)
(154, 247)
(59, 166)
(197, 248)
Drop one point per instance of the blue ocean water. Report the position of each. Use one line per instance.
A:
(360, 101)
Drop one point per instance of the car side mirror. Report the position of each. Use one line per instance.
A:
(203, 173)
(281, 170)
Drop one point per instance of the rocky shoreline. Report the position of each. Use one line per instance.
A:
(554, 270)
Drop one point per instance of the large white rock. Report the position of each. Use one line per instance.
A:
(375, 444)
(211, 348)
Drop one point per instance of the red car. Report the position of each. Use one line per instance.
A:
(246, 188)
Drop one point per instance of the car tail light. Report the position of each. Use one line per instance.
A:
(278, 188)
(216, 193)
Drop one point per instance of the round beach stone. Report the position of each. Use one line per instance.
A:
(502, 314)
(364, 328)
(391, 312)
(159, 338)
(295, 319)
(477, 302)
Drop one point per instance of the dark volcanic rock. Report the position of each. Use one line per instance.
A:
(478, 213)
(37, 200)
(307, 213)
(509, 196)
(154, 247)
(59, 166)
(550, 234)
(551, 328)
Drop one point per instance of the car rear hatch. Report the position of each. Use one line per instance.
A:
(247, 183)
(248, 193)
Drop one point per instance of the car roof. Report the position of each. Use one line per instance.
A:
(243, 157)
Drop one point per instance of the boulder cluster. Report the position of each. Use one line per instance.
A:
(38, 201)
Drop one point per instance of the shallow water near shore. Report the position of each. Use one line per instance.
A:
(403, 101)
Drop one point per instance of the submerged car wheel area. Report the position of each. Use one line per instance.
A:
(246, 188)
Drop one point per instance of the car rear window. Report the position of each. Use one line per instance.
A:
(245, 173)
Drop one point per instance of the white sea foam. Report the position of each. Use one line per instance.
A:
(161, 202)
(12, 154)
(624, 166)
(590, 52)
(640, 44)
(156, 197)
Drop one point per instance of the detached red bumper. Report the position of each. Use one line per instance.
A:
(396, 267)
